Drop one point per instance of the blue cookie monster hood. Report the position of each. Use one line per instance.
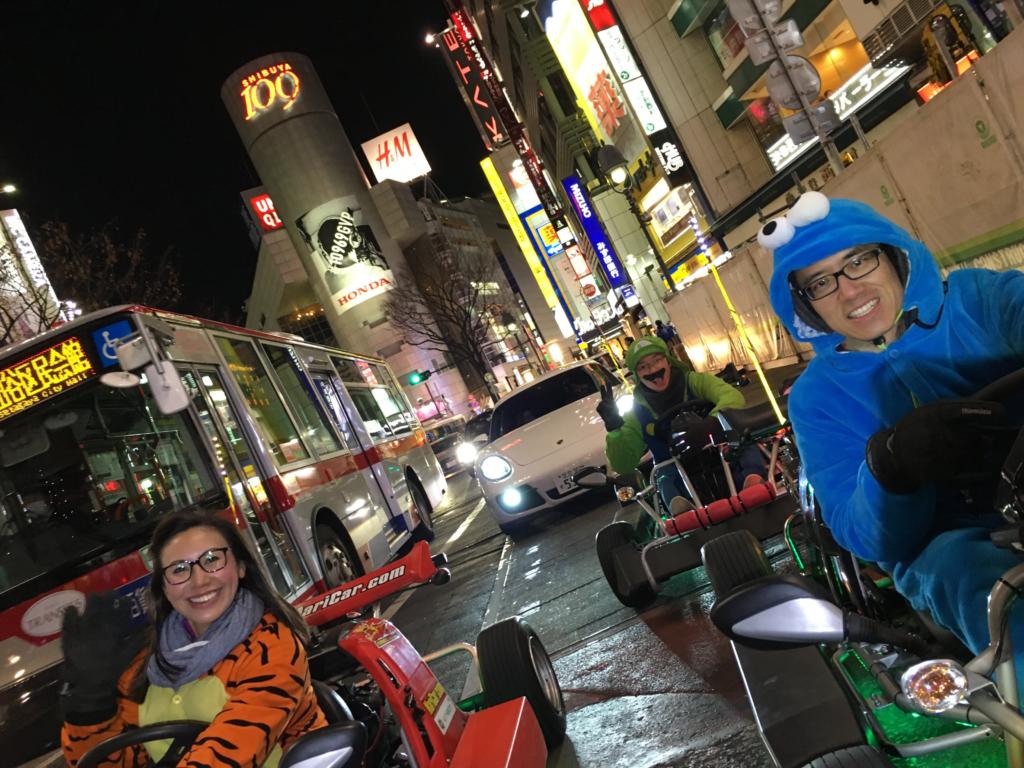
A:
(850, 223)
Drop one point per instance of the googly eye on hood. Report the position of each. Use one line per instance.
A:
(819, 230)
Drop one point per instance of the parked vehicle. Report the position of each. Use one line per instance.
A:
(445, 436)
(474, 438)
(112, 420)
(540, 435)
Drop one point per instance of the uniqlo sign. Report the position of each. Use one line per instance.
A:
(263, 207)
(472, 72)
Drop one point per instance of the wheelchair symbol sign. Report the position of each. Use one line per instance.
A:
(105, 337)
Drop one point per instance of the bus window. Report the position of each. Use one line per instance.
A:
(348, 370)
(272, 542)
(266, 407)
(394, 408)
(327, 384)
(90, 472)
(371, 414)
(297, 389)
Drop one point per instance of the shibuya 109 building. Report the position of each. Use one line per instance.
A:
(307, 165)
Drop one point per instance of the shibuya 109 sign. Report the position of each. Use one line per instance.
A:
(353, 265)
(275, 86)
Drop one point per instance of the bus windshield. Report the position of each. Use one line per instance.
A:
(83, 478)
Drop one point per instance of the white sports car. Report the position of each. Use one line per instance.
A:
(540, 435)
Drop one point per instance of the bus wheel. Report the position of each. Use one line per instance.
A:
(424, 512)
(337, 559)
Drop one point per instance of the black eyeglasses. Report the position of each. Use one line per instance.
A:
(211, 561)
(859, 265)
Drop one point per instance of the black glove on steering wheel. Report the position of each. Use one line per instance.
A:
(934, 443)
(98, 646)
(608, 410)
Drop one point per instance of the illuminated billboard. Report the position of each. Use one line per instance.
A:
(276, 86)
(348, 254)
(43, 375)
(602, 246)
(591, 76)
(266, 214)
(396, 155)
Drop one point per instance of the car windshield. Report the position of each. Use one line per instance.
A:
(478, 426)
(541, 399)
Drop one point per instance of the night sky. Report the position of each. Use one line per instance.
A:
(112, 111)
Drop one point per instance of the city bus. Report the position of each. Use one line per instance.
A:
(123, 415)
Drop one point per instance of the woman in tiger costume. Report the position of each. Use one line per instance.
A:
(225, 649)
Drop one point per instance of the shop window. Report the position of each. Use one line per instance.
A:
(725, 36)
(311, 324)
(278, 431)
(299, 392)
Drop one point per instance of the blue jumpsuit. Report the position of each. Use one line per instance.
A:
(968, 333)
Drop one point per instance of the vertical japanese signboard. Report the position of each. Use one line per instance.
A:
(602, 246)
(472, 71)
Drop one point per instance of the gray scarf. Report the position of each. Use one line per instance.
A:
(195, 657)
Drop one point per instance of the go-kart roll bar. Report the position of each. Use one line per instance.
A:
(417, 567)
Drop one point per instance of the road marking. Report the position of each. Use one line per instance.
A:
(465, 524)
(395, 606)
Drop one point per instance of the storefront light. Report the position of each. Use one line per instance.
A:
(656, 194)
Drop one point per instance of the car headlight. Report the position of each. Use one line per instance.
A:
(466, 453)
(495, 468)
(624, 404)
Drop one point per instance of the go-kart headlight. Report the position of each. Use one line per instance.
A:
(495, 468)
(624, 404)
(466, 453)
(935, 686)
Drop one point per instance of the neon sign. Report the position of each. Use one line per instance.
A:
(268, 87)
(265, 212)
(48, 373)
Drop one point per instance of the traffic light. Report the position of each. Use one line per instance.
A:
(418, 377)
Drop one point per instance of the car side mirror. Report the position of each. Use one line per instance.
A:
(591, 477)
(342, 745)
(779, 612)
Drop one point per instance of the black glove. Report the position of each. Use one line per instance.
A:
(98, 646)
(608, 410)
(934, 443)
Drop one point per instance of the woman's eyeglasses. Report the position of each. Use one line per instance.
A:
(211, 561)
(859, 265)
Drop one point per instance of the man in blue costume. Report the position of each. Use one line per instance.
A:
(875, 414)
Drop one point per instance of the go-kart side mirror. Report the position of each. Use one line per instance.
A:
(779, 612)
(591, 477)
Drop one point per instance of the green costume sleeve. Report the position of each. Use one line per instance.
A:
(709, 387)
(625, 446)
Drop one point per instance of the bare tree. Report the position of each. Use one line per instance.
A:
(450, 305)
(25, 309)
(99, 269)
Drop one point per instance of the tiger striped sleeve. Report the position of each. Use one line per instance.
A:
(76, 740)
(270, 701)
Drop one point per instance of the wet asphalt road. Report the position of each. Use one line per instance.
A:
(644, 690)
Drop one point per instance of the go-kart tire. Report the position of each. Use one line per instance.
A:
(733, 559)
(610, 538)
(861, 756)
(513, 663)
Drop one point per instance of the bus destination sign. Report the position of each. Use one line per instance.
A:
(45, 374)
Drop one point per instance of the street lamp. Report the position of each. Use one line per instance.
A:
(8, 189)
(614, 167)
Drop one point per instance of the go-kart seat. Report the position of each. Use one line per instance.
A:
(755, 418)
(331, 704)
(342, 745)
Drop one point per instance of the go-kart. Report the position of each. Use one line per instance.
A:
(638, 554)
(385, 707)
(841, 671)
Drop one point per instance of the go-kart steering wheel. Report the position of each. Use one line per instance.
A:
(1008, 496)
(699, 408)
(182, 734)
